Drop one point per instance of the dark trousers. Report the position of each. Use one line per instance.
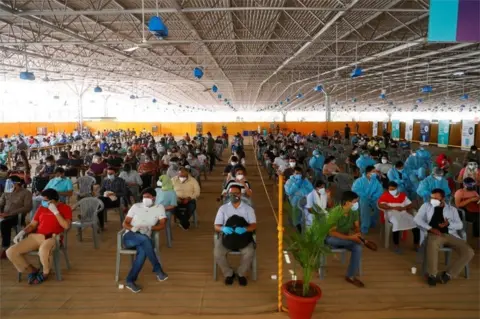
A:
(475, 219)
(415, 232)
(107, 203)
(183, 212)
(212, 160)
(6, 229)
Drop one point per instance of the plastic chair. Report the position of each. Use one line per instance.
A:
(216, 236)
(446, 250)
(121, 250)
(60, 246)
(89, 209)
(343, 255)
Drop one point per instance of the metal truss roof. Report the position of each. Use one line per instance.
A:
(258, 52)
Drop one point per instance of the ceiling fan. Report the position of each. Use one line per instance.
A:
(144, 44)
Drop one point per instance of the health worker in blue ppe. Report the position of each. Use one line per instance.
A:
(401, 176)
(316, 164)
(434, 181)
(369, 190)
(418, 163)
(296, 188)
(364, 161)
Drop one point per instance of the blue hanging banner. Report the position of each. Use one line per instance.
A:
(396, 130)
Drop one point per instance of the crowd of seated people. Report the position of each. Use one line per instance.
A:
(119, 168)
(389, 176)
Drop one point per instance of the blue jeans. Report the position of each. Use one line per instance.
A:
(144, 246)
(353, 247)
(367, 219)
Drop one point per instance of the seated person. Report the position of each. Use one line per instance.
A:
(166, 195)
(98, 168)
(320, 197)
(442, 223)
(330, 169)
(292, 163)
(352, 160)
(51, 219)
(16, 200)
(436, 180)
(364, 161)
(316, 164)
(187, 189)
(141, 220)
(398, 211)
(113, 189)
(74, 165)
(133, 180)
(471, 170)
(59, 183)
(147, 170)
(468, 199)
(345, 233)
(239, 179)
(230, 166)
(280, 163)
(237, 222)
(173, 167)
(383, 168)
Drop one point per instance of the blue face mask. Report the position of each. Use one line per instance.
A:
(297, 177)
(373, 175)
(400, 170)
(110, 177)
(45, 203)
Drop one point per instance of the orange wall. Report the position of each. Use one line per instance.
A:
(181, 128)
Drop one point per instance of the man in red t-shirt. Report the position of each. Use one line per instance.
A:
(50, 220)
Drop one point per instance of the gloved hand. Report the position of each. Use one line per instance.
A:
(19, 237)
(240, 230)
(227, 230)
(53, 209)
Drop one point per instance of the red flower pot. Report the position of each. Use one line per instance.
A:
(300, 307)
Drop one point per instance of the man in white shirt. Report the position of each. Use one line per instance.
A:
(228, 213)
(320, 197)
(280, 163)
(441, 224)
(141, 220)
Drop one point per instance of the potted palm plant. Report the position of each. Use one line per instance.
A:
(307, 249)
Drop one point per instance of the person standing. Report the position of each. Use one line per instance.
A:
(211, 150)
(346, 132)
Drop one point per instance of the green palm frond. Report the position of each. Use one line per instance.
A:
(308, 247)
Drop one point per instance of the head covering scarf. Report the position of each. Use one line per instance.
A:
(166, 183)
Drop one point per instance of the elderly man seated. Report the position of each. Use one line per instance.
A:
(141, 220)
(398, 211)
(51, 219)
(187, 189)
(236, 221)
(15, 201)
(441, 223)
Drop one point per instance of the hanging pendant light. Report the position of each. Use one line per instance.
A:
(198, 73)
(97, 89)
(214, 88)
(299, 95)
(426, 89)
(318, 88)
(219, 96)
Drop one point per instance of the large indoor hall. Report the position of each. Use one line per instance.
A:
(240, 159)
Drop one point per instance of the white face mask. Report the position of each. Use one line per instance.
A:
(322, 191)
(435, 202)
(182, 179)
(384, 161)
(394, 192)
(233, 163)
(147, 202)
(292, 164)
(471, 166)
(355, 206)
(240, 177)
(159, 184)
(414, 154)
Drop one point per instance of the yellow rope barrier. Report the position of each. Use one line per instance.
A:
(280, 241)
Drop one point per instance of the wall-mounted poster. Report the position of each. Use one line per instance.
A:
(409, 130)
(443, 132)
(424, 131)
(468, 134)
(396, 130)
(375, 129)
